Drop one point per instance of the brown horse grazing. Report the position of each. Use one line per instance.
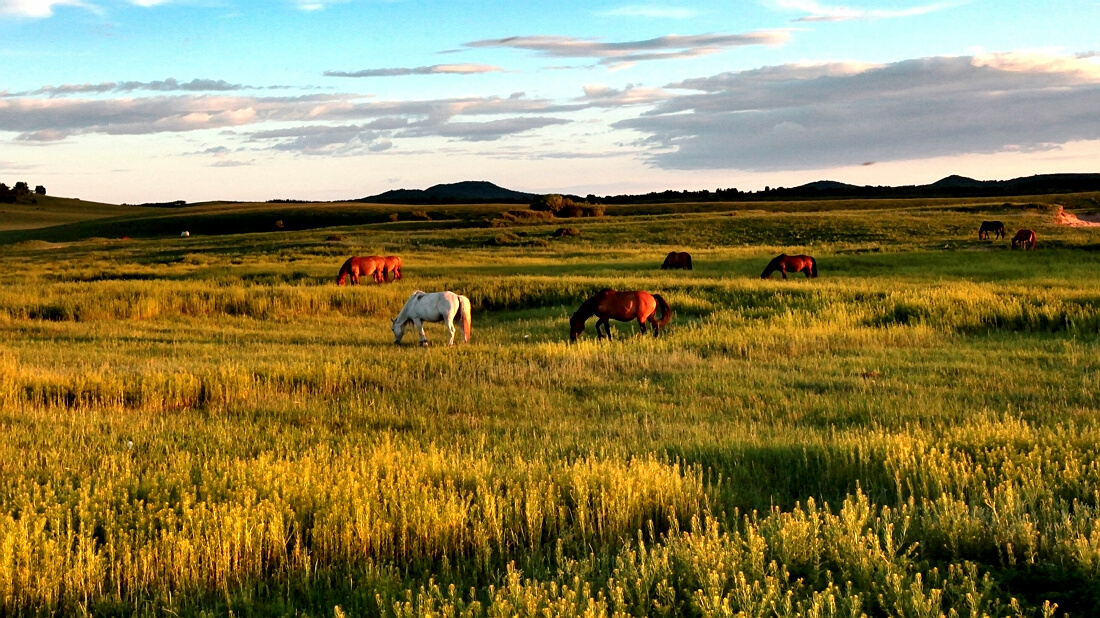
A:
(681, 259)
(791, 264)
(622, 306)
(356, 267)
(392, 267)
(986, 227)
(1025, 239)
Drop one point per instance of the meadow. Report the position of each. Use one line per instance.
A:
(209, 425)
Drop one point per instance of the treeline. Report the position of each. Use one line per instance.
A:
(952, 186)
(21, 189)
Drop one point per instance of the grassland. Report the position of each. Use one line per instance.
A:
(209, 425)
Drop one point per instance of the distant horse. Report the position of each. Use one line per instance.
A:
(435, 307)
(622, 306)
(675, 260)
(357, 267)
(791, 264)
(392, 267)
(1025, 239)
(996, 227)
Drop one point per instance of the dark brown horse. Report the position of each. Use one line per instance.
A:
(1025, 239)
(357, 267)
(986, 227)
(392, 267)
(791, 264)
(622, 306)
(677, 259)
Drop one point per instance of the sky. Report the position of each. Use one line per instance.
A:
(132, 101)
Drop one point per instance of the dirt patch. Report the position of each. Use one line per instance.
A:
(1064, 218)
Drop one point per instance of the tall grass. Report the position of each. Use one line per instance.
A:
(913, 433)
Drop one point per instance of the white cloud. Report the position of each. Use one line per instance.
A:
(34, 8)
(45, 8)
(661, 48)
(806, 117)
(165, 85)
(819, 12)
(435, 69)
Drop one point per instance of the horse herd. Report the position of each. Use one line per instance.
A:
(1023, 238)
(607, 304)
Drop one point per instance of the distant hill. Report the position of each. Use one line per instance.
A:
(468, 192)
(951, 186)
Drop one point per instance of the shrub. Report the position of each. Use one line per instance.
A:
(562, 206)
(521, 217)
(504, 240)
(421, 215)
(566, 231)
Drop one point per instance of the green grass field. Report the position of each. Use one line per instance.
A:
(205, 425)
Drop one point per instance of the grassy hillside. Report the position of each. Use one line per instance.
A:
(201, 425)
(40, 211)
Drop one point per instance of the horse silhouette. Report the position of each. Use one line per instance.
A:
(1025, 239)
(986, 227)
(677, 259)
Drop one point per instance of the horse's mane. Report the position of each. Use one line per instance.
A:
(415, 296)
(588, 307)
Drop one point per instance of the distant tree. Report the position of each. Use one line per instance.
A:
(40, 190)
(21, 188)
(7, 196)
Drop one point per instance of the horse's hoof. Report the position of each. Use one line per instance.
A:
(423, 344)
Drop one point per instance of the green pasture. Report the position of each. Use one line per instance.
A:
(205, 425)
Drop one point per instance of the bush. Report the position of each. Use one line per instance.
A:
(562, 206)
(522, 217)
(562, 232)
(507, 239)
(421, 215)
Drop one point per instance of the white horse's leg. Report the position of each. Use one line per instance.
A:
(451, 329)
(420, 327)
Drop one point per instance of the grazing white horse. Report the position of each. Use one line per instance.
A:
(435, 307)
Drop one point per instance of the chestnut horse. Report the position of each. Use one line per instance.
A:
(392, 267)
(1025, 239)
(791, 264)
(675, 259)
(356, 267)
(609, 304)
(986, 227)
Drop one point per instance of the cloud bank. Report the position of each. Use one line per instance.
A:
(662, 48)
(166, 85)
(804, 117)
(787, 117)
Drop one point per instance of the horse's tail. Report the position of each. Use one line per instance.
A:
(666, 311)
(464, 316)
(813, 267)
(342, 276)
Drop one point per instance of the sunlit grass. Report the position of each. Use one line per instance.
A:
(214, 425)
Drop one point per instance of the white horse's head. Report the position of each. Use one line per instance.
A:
(399, 329)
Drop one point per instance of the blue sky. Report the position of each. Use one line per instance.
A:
(147, 100)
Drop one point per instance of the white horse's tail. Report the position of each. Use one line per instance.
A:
(464, 316)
